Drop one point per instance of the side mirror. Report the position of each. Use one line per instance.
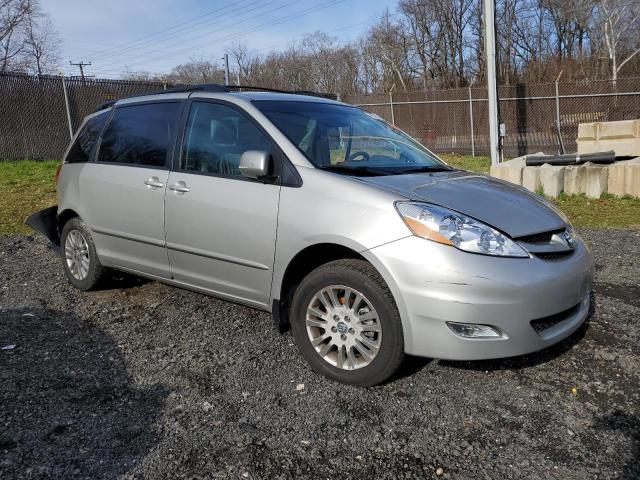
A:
(255, 164)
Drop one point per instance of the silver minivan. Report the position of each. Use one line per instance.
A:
(336, 222)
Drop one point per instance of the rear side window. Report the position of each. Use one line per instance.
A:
(140, 134)
(81, 148)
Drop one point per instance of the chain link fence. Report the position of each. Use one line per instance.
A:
(457, 120)
(38, 114)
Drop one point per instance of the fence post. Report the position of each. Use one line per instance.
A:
(473, 139)
(560, 142)
(393, 117)
(66, 104)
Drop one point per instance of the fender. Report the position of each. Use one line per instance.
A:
(46, 222)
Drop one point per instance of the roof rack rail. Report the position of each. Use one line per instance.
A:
(217, 88)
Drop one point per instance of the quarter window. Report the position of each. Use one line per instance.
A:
(81, 149)
(216, 137)
(140, 134)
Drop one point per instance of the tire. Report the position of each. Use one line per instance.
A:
(346, 326)
(75, 253)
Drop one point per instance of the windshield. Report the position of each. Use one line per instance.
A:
(349, 140)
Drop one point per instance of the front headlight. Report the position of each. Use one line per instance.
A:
(452, 228)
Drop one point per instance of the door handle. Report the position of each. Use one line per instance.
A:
(179, 187)
(153, 182)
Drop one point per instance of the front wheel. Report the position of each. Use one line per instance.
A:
(346, 323)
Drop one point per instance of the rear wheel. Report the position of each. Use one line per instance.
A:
(79, 257)
(346, 323)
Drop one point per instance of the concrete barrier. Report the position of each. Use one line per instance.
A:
(552, 179)
(574, 180)
(531, 178)
(595, 179)
(623, 137)
(619, 178)
(622, 178)
(632, 178)
(511, 170)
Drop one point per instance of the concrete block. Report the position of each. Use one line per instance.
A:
(574, 180)
(622, 176)
(510, 170)
(616, 180)
(552, 179)
(595, 179)
(632, 179)
(623, 137)
(531, 178)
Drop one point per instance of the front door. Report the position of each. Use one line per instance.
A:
(220, 226)
(123, 191)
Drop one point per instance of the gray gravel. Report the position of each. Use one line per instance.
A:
(144, 380)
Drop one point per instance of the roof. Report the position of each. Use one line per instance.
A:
(214, 90)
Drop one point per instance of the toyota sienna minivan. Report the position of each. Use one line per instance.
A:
(336, 222)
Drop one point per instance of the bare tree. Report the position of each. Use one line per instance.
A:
(12, 15)
(42, 44)
(196, 71)
(619, 24)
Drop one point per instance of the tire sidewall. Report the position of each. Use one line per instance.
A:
(89, 281)
(392, 347)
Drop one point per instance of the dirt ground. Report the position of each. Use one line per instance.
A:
(142, 380)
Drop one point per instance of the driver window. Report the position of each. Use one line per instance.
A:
(216, 137)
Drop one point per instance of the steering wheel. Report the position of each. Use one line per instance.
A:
(354, 155)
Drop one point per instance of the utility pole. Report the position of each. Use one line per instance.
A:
(226, 68)
(492, 90)
(81, 65)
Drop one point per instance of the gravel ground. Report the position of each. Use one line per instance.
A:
(145, 380)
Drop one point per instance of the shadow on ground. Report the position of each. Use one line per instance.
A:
(619, 421)
(68, 407)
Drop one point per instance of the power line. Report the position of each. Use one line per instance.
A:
(244, 32)
(99, 53)
(199, 25)
(143, 53)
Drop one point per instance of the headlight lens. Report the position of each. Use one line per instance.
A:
(452, 228)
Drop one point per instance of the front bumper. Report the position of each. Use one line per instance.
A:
(434, 283)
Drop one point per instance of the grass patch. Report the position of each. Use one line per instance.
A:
(467, 162)
(26, 186)
(604, 212)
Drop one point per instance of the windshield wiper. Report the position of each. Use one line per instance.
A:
(358, 170)
(425, 168)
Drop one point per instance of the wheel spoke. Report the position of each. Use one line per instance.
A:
(351, 358)
(325, 349)
(318, 340)
(342, 356)
(313, 322)
(362, 350)
(317, 313)
(334, 297)
(367, 342)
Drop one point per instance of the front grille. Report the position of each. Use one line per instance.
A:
(553, 255)
(542, 237)
(545, 323)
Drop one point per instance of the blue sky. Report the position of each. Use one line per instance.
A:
(150, 35)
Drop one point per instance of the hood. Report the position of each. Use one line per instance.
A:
(507, 207)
